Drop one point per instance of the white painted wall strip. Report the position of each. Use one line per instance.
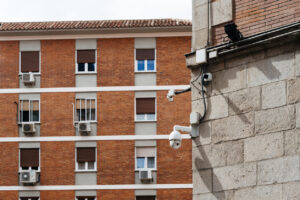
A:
(92, 36)
(98, 187)
(89, 138)
(93, 89)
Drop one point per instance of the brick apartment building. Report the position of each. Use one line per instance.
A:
(85, 113)
(249, 141)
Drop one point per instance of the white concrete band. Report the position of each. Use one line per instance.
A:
(93, 89)
(89, 138)
(97, 187)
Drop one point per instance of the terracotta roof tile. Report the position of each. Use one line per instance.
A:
(99, 24)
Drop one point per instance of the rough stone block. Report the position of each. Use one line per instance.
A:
(210, 156)
(200, 17)
(205, 135)
(244, 101)
(271, 70)
(292, 142)
(233, 127)
(202, 181)
(274, 95)
(221, 12)
(270, 192)
(298, 115)
(199, 39)
(264, 146)
(277, 119)
(293, 90)
(229, 80)
(234, 177)
(216, 107)
(297, 61)
(279, 170)
(291, 191)
(224, 195)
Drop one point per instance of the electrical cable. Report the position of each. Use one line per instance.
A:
(202, 93)
(183, 91)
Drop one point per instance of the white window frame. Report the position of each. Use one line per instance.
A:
(145, 115)
(30, 197)
(146, 160)
(86, 169)
(20, 106)
(146, 69)
(86, 64)
(144, 195)
(79, 120)
(20, 60)
(39, 167)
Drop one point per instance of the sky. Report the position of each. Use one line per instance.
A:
(66, 10)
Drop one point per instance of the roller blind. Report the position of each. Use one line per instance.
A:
(145, 54)
(85, 56)
(29, 157)
(30, 61)
(145, 152)
(145, 106)
(90, 103)
(86, 154)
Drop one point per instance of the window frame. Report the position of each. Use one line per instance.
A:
(75, 116)
(145, 115)
(86, 66)
(19, 110)
(86, 163)
(76, 198)
(20, 198)
(136, 197)
(145, 61)
(39, 167)
(20, 63)
(146, 160)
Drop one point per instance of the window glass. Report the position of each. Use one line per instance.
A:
(91, 165)
(81, 67)
(81, 165)
(91, 67)
(85, 109)
(29, 110)
(151, 163)
(140, 162)
(150, 65)
(141, 65)
(150, 116)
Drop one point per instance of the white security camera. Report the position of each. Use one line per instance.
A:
(175, 139)
(170, 95)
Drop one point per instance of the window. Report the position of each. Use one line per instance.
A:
(29, 159)
(145, 109)
(145, 198)
(29, 198)
(145, 158)
(85, 198)
(85, 109)
(86, 159)
(29, 111)
(86, 61)
(30, 61)
(145, 60)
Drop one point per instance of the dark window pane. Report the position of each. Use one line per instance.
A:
(25, 116)
(91, 67)
(81, 67)
(93, 114)
(82, 117)
(77, 114)
(151, 163)
(35, 116)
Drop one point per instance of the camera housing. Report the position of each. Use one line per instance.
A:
(175, 139)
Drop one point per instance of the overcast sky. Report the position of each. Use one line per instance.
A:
(58, 10)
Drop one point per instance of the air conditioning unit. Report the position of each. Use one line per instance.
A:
(28, 128)
(84, 128)
(28, 78)
(145, 175)
(29, 177)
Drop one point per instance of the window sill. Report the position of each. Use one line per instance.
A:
(34, 73)
(91, 122)
(144, 121)
(145, 72)
(36, 123)
(137, 170)
(85, 171)
(86, 73)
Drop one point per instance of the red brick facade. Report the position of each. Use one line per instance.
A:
(51, 195)
(9, 165)
(178, 194)
(115, 194)
(8, 127)
(259, 15)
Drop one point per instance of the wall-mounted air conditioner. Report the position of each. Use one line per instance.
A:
(145, 175)
(29, 177)
(28, 128)
(28, 78)
(84, 128)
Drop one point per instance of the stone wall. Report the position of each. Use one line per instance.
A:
(249, 144)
